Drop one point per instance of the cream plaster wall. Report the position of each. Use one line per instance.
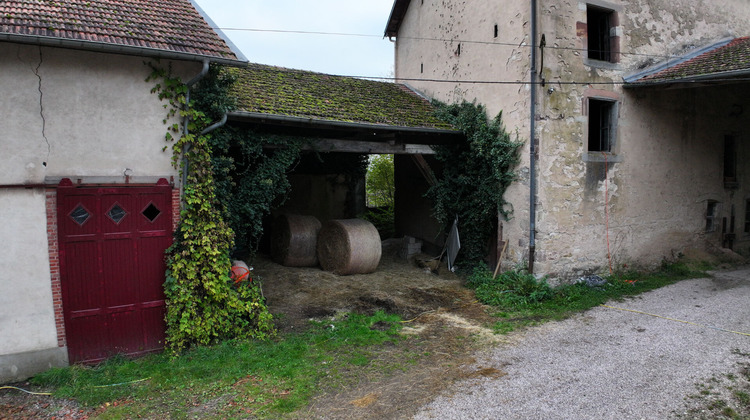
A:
(668, 157)
(64, 113)
(27, 319)
(83, 113)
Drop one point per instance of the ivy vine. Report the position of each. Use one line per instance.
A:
(477, 172)
(203, 304)
(251, 180)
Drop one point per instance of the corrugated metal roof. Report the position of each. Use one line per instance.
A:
(297, 93)
(722, 60)
(173, 26)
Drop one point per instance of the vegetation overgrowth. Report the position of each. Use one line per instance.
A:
(233, 378)
(203, 305)
(475, 176)
(380, 187)
(520, 299)
(272, 378)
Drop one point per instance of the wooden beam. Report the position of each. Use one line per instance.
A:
(425, 169)
(373, 147)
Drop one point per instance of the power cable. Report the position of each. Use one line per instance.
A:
(678, 320)
(458, 40)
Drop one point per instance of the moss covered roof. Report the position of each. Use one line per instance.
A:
(297, 93)
(725, 59)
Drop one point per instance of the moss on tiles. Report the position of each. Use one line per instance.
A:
(281, 91)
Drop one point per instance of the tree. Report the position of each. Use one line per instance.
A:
(379, 189)
(379, 183)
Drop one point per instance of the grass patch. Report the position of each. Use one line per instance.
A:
(521, 299)
(231, 379)
(723, 397)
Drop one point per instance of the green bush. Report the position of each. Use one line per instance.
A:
(477, 173)
(509, 289)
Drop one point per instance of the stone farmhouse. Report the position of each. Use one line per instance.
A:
(634, 115)
(88, 198)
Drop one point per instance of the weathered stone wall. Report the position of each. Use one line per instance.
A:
(668, 153)
(427, 58)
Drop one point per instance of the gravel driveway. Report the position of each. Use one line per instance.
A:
(614, 362)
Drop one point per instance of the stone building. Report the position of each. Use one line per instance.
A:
(636, 110)
(88, 197)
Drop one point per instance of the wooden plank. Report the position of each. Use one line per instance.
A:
(500, 259)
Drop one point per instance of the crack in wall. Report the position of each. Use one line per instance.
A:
(41, 106)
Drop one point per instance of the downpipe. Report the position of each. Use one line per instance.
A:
(186, 148)
(532, 142)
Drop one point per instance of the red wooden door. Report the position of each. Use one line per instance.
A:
(112, 243)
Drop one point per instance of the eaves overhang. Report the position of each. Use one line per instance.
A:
(104, 47)
(397, 16)
(723, 62)
(240, 57)
(719, 77)
(346, 130)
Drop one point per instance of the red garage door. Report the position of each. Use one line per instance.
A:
(112, 243)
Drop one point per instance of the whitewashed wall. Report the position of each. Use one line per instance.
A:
(63, 113)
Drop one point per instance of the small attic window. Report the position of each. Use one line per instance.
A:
(600, 31)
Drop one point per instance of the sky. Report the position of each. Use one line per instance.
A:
(365, 56)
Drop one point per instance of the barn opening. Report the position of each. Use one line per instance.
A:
(329, 179)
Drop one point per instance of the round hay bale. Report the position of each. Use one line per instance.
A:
(294, 239)
(350, 246)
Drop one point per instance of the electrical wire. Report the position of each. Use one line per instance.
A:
(23, 390)
(677, 320)
(606, 209)
(456, 40)
(122, 383)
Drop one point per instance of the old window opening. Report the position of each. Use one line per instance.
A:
(747, 216)
(496, 30)
(79, 215)
(601, 125)
(712, 212)
(730, 162)
(599, 24)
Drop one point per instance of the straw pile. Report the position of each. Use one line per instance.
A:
(294, 240)
(350, 246)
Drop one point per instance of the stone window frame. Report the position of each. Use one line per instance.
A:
(612, 155)
(615, 34)
(713, 211)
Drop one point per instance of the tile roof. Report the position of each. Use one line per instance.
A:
(725, 59)
(297, 93)
(151, 26)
